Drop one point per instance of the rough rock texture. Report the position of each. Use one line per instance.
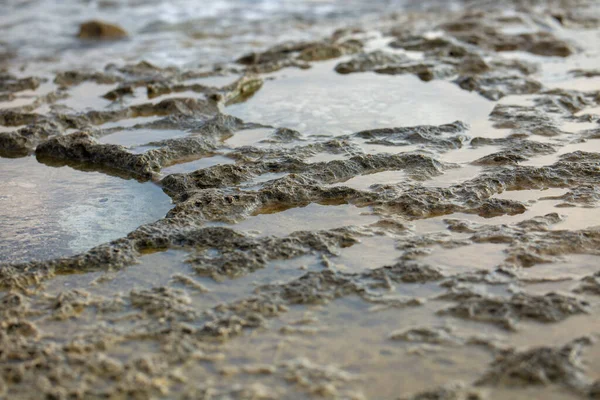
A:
(391, 262)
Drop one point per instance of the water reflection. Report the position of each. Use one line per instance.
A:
(49, 212)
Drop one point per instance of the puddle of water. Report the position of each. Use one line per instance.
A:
(562, 333)
(312, 217)
(590, 146)
(371, 252)
(10, 128)
(28, 97)
(575, 218)
(591, 110)
(87, 96)
(161, 270)
(582, 84)
(468, 154)
(325, 157)
(140, 97)
(464, 259)
(250, 137)
(320, 101)
(369, 148)
(140, 137)
(51, 212)
(348, 337)
(575, 127)
(527, 196)
(130, 122)
(554, 73)
(153, 270)
(574, 266)
(195, 165)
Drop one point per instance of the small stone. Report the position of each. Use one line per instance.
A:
(100, 30)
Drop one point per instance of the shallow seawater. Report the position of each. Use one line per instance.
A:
(87, 96)
(474, 257)
(373, 288)
(172, 32)
(194, 165)
(371, 252)
(139, 137)
(321, 101)
(310, 217)
(350, 343)
(250, 137)
(49, 212)
(129, 122)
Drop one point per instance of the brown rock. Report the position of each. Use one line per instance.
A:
(100, 30)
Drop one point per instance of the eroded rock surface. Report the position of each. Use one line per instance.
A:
(438, 249)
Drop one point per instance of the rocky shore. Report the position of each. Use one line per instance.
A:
(315, 245)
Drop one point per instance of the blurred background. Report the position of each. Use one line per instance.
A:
(173, 32)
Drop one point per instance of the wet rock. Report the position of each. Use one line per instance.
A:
(584, 196)
(524, 120)
(317, 380)
(424, 70)
(565, 102)
(298, 53)
(495, 86)
(506, 313)
(540, 366)
(177, 106)
(72, 78)
(507, 157)
(436, 335)
(11, 84)
(397, 64)
(403, 272)
(577, 18)
(589, 285)
(450, 392)
(284, 135)
(21, 142)
(240, 255)
(172, 327)
(445, 137)
(70, 303)
(162, 302)
(100, 30)
(370, 61)
(119, 92)
(517, 151)
(305, 179)
(15, 118)
(276, 53)
(585, 73)
(521, 66)
(474, 30)
(82, 148)
(326, 51)
(420, 43)
(242, 89)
